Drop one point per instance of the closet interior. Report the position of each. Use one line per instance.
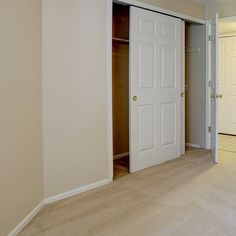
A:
(120, 87)
(196, 85)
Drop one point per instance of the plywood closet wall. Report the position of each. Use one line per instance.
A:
(120, 76)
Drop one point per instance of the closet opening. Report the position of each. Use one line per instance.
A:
(196, 85)
(227, 85)
(150, 82)
(120, 89)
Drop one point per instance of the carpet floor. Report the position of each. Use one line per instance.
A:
(187, 197)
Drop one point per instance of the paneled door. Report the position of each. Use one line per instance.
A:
(155, 88)
(227, 85)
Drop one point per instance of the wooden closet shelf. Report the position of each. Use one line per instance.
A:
(120, 40)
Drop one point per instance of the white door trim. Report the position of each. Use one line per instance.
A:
(208, 90)
(109, 90)
(109, 64)
(183, 91)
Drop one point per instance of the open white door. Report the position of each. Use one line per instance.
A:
(155, 88)
(214, 87)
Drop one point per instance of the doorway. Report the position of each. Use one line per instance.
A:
(227, 84)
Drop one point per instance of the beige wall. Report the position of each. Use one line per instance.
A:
(186, 7)
(21, 181)
(225, 9)
(75, 96)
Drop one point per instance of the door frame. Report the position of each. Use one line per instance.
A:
(208, 92)
(183, 99)
(208, 89)
(109, 68)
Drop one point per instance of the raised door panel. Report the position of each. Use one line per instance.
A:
(232, 70)
(146, 128)
(146, 26)
(221, 71)
(168, 124)
(146, 66)
(222, 56)
(169, 31)
(168, 60)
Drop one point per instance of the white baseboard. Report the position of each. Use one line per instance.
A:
(55, 198)
(193, 145)
(120, 156)
(76, 191)
(26, 220)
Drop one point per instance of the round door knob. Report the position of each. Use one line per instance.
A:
(135, 98)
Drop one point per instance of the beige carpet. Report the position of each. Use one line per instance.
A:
(186, 197)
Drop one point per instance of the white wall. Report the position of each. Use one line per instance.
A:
(21, 162)
(196, 86)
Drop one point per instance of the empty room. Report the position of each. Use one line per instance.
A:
(117, 118)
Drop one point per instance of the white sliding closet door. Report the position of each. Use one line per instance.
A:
(227, 85)
(155, 88)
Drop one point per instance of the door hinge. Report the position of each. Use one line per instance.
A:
(209, 129)
(209, 83)
(210, 38)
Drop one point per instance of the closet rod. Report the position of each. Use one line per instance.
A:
(120, 40)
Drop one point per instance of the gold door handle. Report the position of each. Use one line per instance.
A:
(135, 98)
